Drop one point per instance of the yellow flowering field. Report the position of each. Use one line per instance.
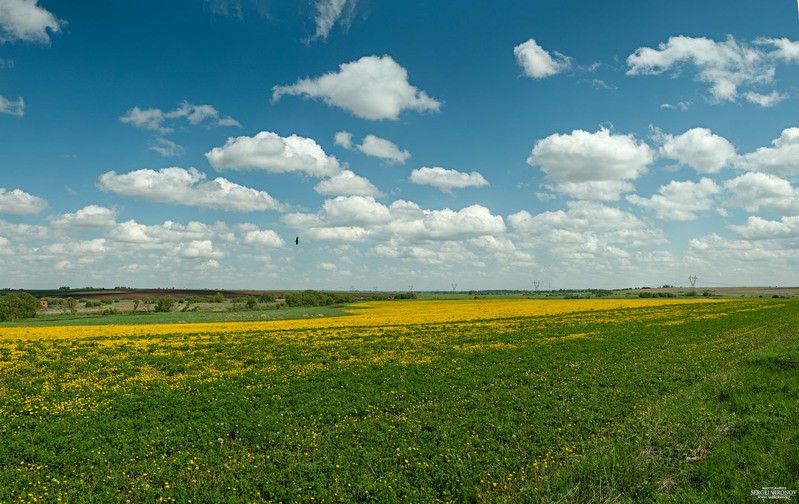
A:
(418, 401)
(369, 314)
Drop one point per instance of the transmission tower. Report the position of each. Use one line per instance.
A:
(692, 279)
(454, 287)
(536, 283)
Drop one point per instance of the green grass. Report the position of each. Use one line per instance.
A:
(690, 404)
(735, 432)
(220, 313)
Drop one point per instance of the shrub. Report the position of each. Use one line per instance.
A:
(16, 306)
(267, 297)
(164, 303)
(70, 305)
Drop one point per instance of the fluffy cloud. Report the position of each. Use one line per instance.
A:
(758, 228)
(263, 238)
(87, 251)
(726, 66)
(585, 216)
(343, 138)
(92, 216)
(346, 183)
(275, 154)
(186, 187)
(374, 87)
(751, 260)
(698, 148)
(383, 149)
(443, 256)
(591, 165)
(168, 232)
(196, 249)
(355, 211)
(18, 202)
(538, 63)
(11, 107)
(679, 201)
(781, 160)
(446, 224)
(753, 191)
(26, 21)
(587, 237)
(447, 180)
(363, 217)
(374, 146)
(163, 122)
(24, 232)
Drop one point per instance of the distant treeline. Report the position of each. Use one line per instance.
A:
(317, 298)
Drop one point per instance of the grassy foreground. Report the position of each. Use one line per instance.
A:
(673, 402)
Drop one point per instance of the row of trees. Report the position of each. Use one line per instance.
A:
(315, 298)
(18, 305)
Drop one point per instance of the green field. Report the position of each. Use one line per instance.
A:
(206, 313)
(671, 403)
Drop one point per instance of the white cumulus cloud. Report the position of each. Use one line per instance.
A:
(447, 180)
(346, 183)
(191, 241)
(588, 165)
(187, 187)
(356, 218)
(18, 202)
(275, 154)
(679, 201)
(753, 191)
(758, 228)
(343, 139)
(263, 238)
(782, 159)
(698, 148)
(373, 87)
(587, 237)
(91, 216)
(537, 62)
(381, 148)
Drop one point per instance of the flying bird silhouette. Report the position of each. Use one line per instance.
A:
(297, 240)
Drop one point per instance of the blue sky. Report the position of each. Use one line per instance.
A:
(487, 144)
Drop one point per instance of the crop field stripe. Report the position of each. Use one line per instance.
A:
(486, 404)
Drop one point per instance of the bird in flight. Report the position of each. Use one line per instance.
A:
(297, 240)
